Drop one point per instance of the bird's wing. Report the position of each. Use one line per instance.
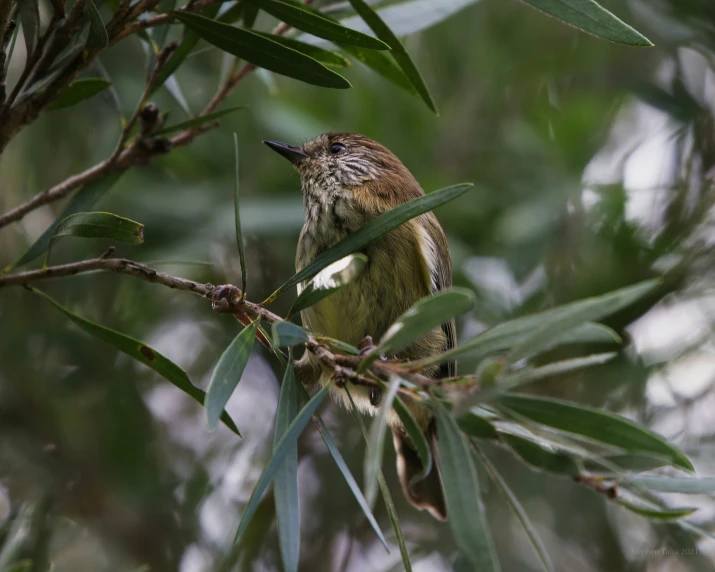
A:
(440, 267)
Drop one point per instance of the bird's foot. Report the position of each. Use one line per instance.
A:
(366, 345)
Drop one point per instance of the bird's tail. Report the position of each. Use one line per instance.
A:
(423, 491)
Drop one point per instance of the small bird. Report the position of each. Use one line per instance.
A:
(348, 179)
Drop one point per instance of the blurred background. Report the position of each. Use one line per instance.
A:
(593, 166)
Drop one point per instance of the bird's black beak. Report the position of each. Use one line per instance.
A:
(294, 154)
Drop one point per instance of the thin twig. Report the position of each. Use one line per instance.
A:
(160, 19)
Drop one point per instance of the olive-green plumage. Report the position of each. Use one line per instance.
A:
(348, 179)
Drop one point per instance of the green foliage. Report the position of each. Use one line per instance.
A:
(423, 317)
(145, 355)
(227, 374)
(285, 481)
(80, 90)
(590, 17)
(597, 425)
(376, 441)
(98, 225)
(467, 517)
(402, 58)
(83, 200)
(303, 17)
(262, 51)
(282, 448)
(287, 334)
(519, 120)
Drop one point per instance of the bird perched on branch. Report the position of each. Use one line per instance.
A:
(348, 179)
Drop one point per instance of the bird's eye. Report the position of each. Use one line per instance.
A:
(336, 148)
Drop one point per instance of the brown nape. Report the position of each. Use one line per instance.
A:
(426, 494)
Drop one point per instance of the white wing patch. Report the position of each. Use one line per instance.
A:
(429, 252)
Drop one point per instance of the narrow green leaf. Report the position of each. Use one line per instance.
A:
(280, 450)
(382, 64)
(533, 327)
(143, 354)
(399, 52)
(626, 462)
(590, 17)
(467, 517)
(476, 426)
(519, 511)
(657, 513)
(589, 333)
(417, 436)
(98, 225)
(82, 200)
(98, 38)
(542, 458)
(423, 317)
(683, 485)
(376, 441)
(287, 334)
(378, 61)
(262, 51)
(347, 475)
(79, 90)
(325, 57)
(394, 520)
(586, 310)
(531, 374)
(29, 14)
(386, 496)
(227, 374)
(237, 219)
(601, 426)
(196, 121)
(510, 334)
(373, 230)
(310, 20)
(328, 281)
(285, 482)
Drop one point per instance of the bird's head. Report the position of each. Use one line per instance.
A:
(349, 163)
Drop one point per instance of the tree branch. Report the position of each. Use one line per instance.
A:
(225, 299)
